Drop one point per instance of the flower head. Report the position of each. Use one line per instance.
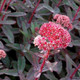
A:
(55, 34)
(63, 20)
(2, 54)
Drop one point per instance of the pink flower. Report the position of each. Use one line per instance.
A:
(36, 28)
(2, 54)
(63, 20)
(42, 43)
(55, 34)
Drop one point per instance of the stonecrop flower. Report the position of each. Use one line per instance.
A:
(42, 43)
(51, 36)
(63, 20)
(2, 54)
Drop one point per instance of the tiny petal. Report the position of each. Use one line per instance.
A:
(2, 54)
(36, 28)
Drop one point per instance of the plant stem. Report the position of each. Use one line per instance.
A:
(22, 54)
(39, 60)
(24, 1)
(42, 65)
(74, 71)
(8, 5)
(41, 68)
(59, 3)
(76, 14)
(33, 12)
(1, 8)
(36, 78)
(5, 10)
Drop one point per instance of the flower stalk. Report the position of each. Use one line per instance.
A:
(5, 11)
(39, 60)
(59, 3)
(74, 72)
(42, 65)
(33, 12)
(76, 14)
(24, 1)
(1, 8)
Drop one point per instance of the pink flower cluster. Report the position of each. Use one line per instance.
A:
(51, 36)
(2, 54)
(42, 43)
(63, 20)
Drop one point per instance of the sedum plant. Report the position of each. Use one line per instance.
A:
(39, 40)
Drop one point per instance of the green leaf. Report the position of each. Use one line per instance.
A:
(12, 72)
(69, 63)
(7, 31)
(21, 63)
(50, 76)
(14, 64)
(7, 22)
(24, 26)
(1, 45)
(19, 22)
(56, 66)
(6, 61)
(46, 1)
(45, 6)
(16, 14)
(79, 74)
(29, 57)
(25, 34)
(32, 28)
(76, 42)
(14, 46)
(72, 4)
(57, 10)
(77, 1)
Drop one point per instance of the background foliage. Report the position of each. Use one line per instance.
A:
(17, 34)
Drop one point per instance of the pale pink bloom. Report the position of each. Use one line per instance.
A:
(2, 54)
(63, 20)
(55, 34)
(42, 43)
(56, 16)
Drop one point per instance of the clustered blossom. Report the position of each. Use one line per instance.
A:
(51, 36)
(2, 54)
(63, 20)
(42, 43)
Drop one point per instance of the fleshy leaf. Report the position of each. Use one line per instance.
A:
(21, 63)
(7, 31)
(16, 14)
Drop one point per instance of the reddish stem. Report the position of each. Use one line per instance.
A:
(42, 65)
(33, 12)
(1, 8)
(59, 3)
(24, 1)
(5, 10)
(8, 5)
(39, 60)
(74, 71)
(36, 78)
(76, 14)
(22, 54)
